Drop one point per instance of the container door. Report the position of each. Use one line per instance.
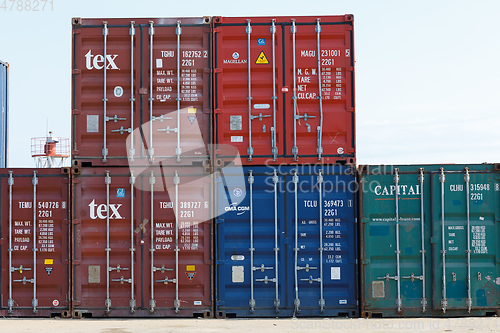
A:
(106, 82)
(176, 105)
(395, 257)
(320, 104)
(35, 229)
(105, 259)
(250, 246)
(177, 271)
(322, 245)
(248, 97)
(466, 260)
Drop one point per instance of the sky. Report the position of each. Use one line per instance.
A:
(427, 72)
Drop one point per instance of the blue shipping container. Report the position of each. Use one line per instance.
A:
(259, 273)
(4, 107)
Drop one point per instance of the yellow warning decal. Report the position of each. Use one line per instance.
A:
(190, 268)
(49, 261)
(191, 110)
(262, 59)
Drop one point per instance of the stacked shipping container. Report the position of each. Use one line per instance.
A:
(149, 98)
(284, 95)
(429, 240)
(289, 248)
(34, 247)
(284, 89)
(151, 254)
(142, 97)
(142, 227)
(160, 192)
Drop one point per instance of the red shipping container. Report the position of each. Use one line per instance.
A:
(131, 76)
(267, 98)
(126, 262)
(34, 233)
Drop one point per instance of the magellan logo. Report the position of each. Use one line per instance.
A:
(235, 208)
(98, 61)
(403, 190)
(100, 211)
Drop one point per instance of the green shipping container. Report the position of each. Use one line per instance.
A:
(435, 251)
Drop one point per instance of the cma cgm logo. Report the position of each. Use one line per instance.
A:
(100, 211)
(97, 61)
(235, 208)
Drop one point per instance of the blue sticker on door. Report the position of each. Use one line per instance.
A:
(120, 193)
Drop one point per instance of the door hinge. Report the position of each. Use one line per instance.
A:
(219, 262)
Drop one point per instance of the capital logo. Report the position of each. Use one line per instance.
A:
(97, 61)
(100, 211)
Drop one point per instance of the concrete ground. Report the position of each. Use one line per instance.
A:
(457, 325)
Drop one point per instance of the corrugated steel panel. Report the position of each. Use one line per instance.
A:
(441, 213)
(153, 68)
(257, 274)
(4, 111)
(139, 238)
(267, 98)
(34, 224)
